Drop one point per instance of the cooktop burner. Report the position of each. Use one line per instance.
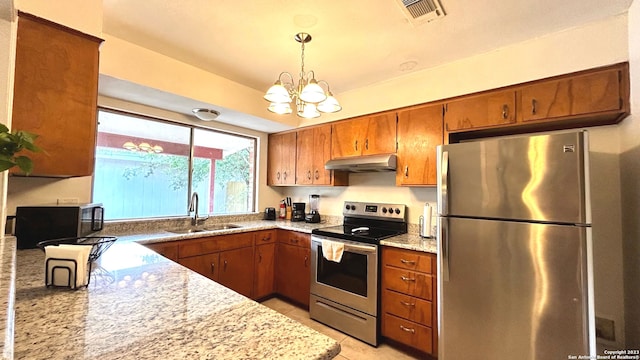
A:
(368, 222)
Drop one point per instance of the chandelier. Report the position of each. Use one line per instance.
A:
(310, 98)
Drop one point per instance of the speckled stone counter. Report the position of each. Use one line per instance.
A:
(141, 306)
(412, 242)
(7, 292)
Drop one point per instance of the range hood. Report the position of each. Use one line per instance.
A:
(371, 163)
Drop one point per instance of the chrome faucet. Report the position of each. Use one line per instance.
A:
(193, 206)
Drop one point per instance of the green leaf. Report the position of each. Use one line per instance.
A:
(12, 143)
(6, 164)
(25, 164)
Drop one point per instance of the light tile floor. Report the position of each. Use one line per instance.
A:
(352, 349)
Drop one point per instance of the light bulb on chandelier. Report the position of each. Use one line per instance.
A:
(311, 99)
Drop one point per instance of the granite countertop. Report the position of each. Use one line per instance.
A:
(140, 305)
(405, 241)
(7, 292)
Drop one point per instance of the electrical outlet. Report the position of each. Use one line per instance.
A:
(605, 329)
(68, 201)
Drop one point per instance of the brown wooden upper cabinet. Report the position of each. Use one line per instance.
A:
(313, 151)
(576, 95)
(495, 108)
(419, 132)
(366, 135)
(281, 159)
(55, 95)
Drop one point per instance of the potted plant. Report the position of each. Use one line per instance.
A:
(10, 144)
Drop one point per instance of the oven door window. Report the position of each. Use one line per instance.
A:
(350, 274)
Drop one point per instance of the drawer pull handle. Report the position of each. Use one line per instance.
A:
(413, 331)
(407, 262)
(213, 267)
(225, 265)
(533, 106)
(266, 238)
(404, 278)
(295, 241)
(406, 303)
(505, 111)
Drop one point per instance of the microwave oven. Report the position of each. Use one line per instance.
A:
(39, 223)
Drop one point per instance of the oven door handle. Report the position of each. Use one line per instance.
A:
(354, 248)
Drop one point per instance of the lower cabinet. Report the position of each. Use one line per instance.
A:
(293, 266)
(264, 281)
(236, 270)
(207, 265)
(408, 298)
(256, 264)
(226, 259)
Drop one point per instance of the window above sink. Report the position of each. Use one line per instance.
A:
(143, 165)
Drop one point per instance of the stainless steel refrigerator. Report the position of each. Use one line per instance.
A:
(515, 278)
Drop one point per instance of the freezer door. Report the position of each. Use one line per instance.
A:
(539, 178)
(514, 291)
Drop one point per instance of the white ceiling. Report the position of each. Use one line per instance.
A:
(355, 42)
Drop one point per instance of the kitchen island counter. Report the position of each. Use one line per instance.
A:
(140, 305)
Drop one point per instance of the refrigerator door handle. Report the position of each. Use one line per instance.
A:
(444, 183)
(444, 247)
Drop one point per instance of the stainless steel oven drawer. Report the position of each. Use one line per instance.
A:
(355, 323)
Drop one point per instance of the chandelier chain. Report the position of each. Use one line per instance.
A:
(302, 62)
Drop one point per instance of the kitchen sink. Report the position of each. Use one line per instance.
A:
(204, 229)
(221, 227)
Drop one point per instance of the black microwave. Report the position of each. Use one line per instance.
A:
(39, 223)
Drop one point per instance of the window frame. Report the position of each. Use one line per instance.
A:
(191, 127)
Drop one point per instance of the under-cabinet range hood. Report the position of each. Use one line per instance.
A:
(370, 163)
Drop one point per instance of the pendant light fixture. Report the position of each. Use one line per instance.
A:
(310, 97)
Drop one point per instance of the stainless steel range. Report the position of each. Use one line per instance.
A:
(345, 267)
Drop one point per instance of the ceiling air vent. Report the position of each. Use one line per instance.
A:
(421, 11)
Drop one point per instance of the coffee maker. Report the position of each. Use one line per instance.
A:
(297, 211)
(314, 203)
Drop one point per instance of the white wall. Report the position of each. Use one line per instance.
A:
(82, 15)
(7, 36)
(592, 45)
(630, 183)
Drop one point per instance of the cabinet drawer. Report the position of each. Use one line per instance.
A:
(408, 282)
(408, 333)
(408, 259)
(264, 237)
(214, 244)
(294, 238)
(407, 307)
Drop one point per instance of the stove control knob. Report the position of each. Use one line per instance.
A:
(348, 207)
(397, 211)
(353, 207)
(384, 210)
